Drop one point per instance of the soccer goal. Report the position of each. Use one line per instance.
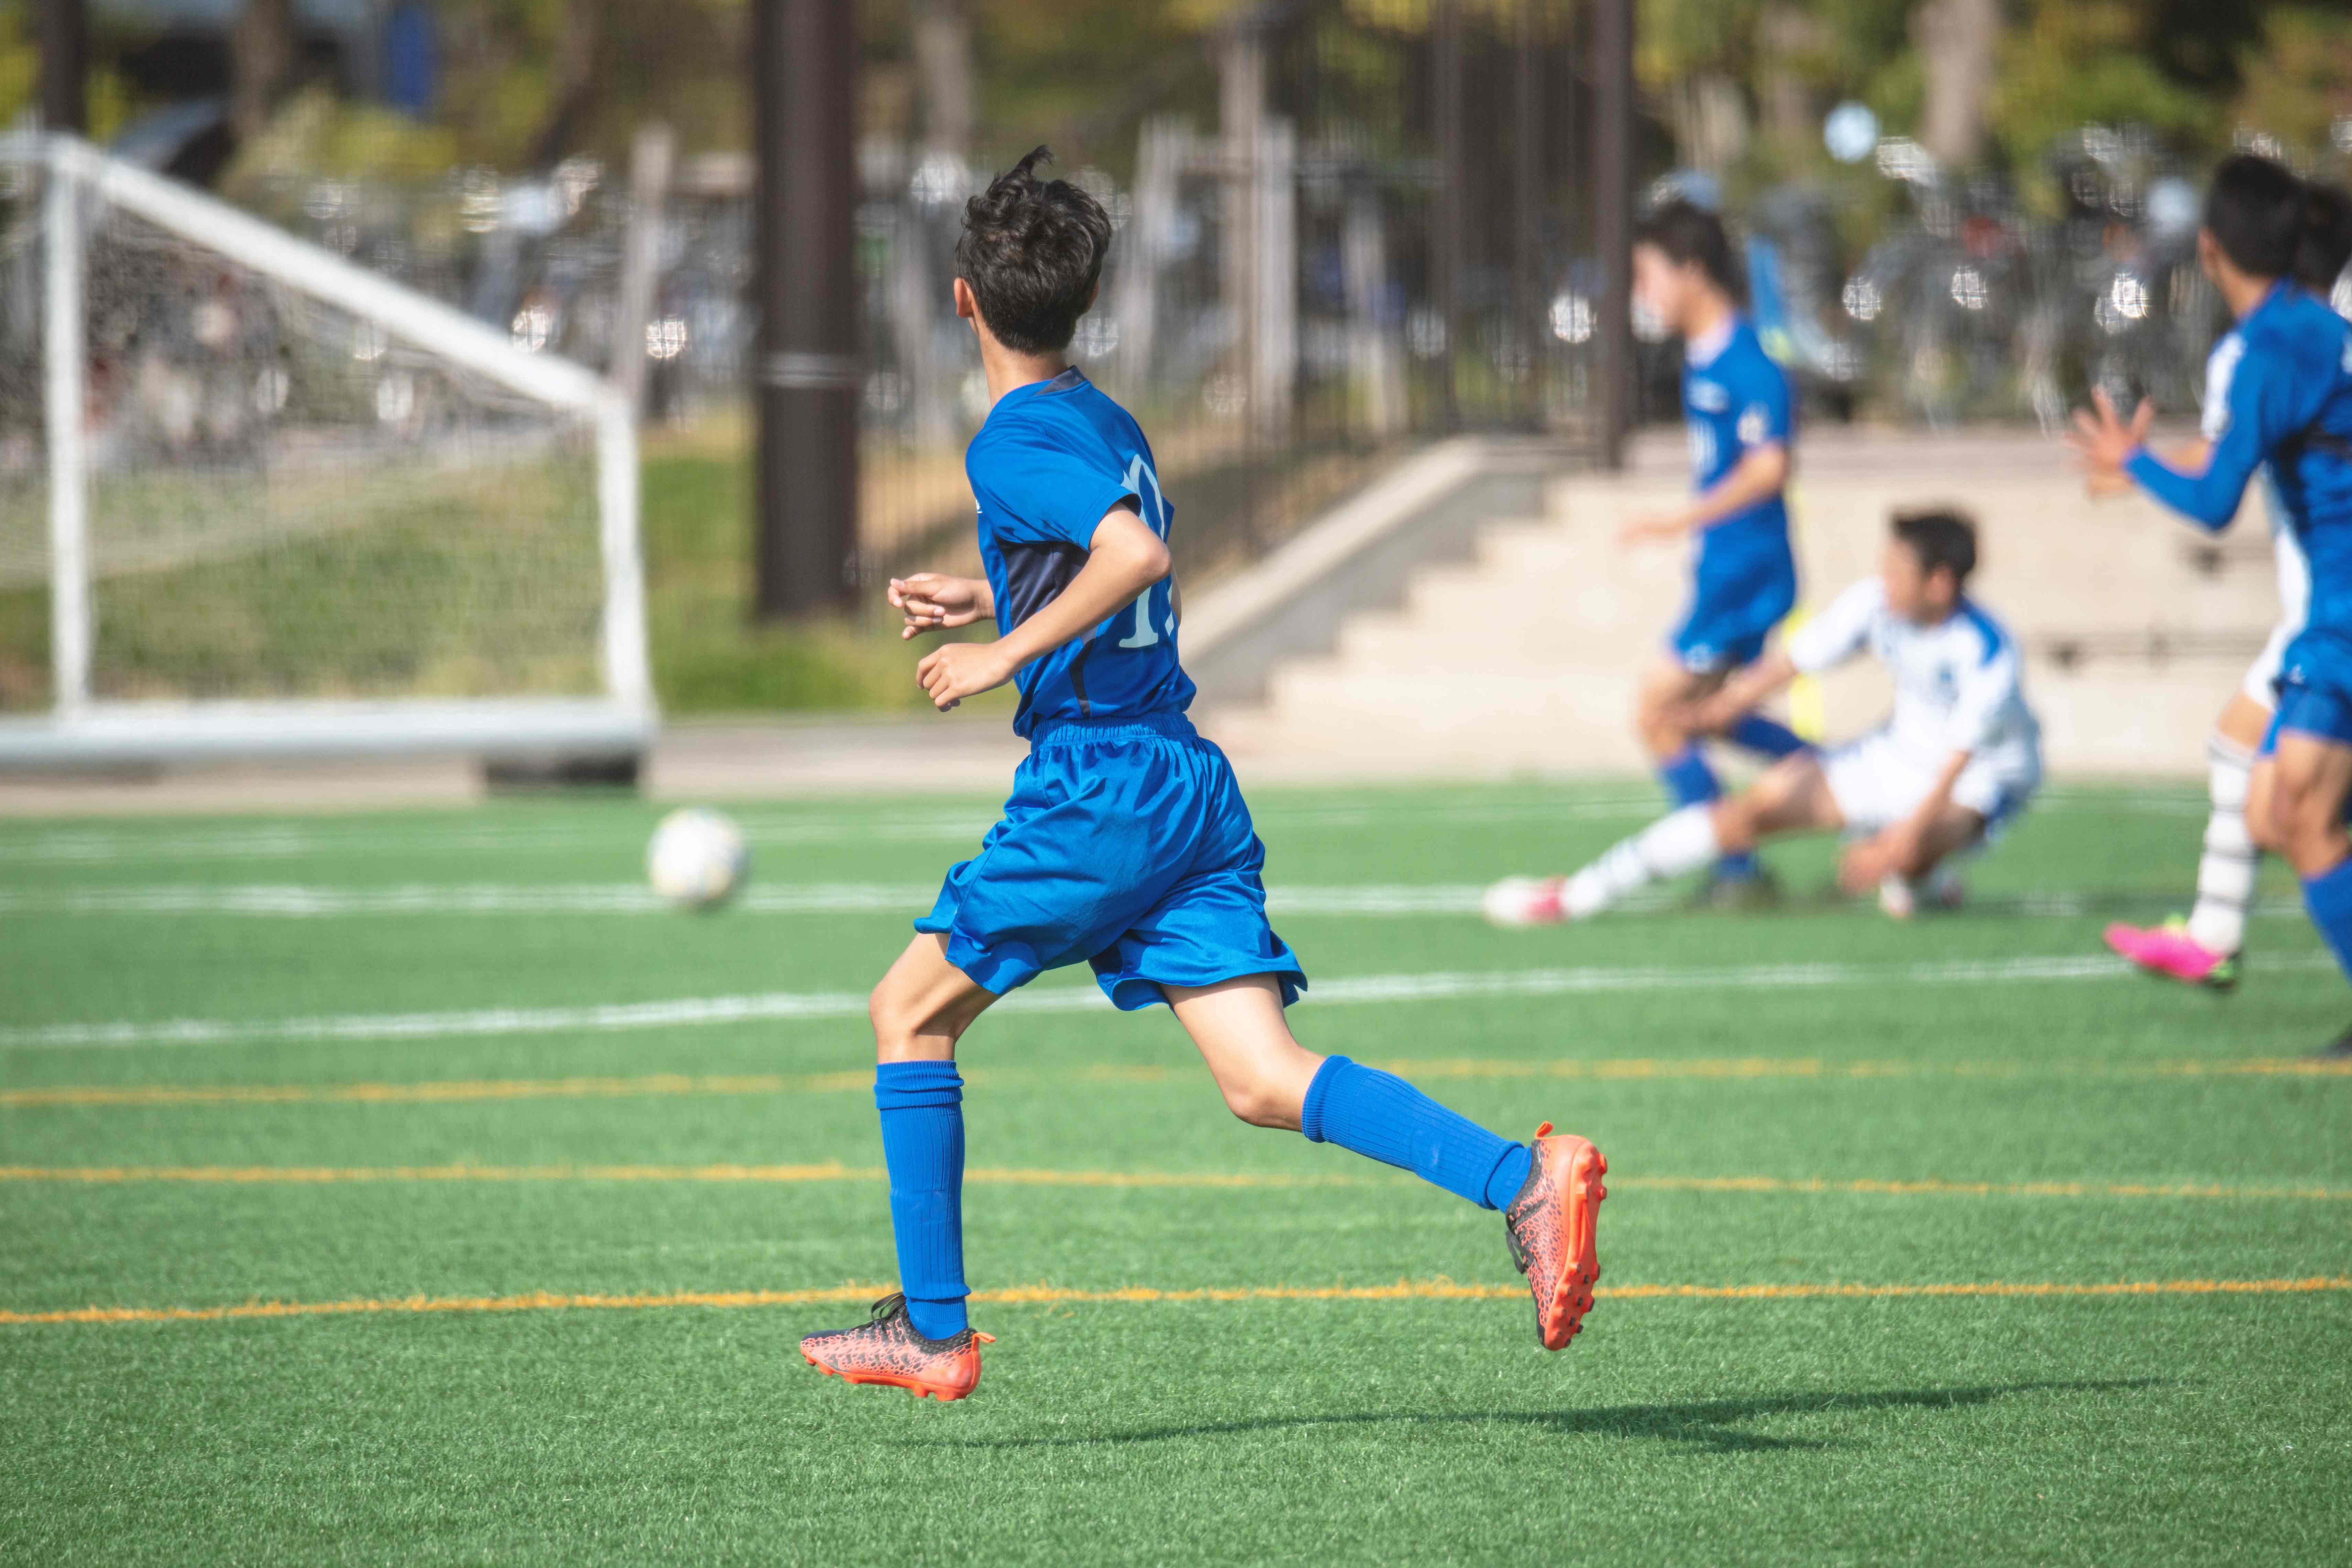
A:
(256, 500)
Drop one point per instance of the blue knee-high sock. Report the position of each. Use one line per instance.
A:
(1690, 781)
(922, 1142)
(1765, 737)
(1383, 1118)
(2328, 897)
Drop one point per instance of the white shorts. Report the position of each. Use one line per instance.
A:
(1878, 784)
(2261, 676)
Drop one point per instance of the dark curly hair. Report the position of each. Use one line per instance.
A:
(2270, 223)
(1944, 539)
(1032, 250)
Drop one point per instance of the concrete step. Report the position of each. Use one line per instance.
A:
(1523, 657)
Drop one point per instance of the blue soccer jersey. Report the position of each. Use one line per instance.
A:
(1052, 459)
(1126, 843)
(2288, 404)
(1736, 399)
(1733, 403)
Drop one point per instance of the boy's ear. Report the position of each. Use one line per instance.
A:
(966, 306)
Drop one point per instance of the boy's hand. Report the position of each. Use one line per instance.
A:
(1653, 527)
(932, 600)
(962, 669)
(2104, 441)
(1871, 860)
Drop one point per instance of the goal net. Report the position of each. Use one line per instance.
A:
(254, 500)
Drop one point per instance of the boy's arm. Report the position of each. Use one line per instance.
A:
(1123, 559)
(1761, 473)
(932, 600)
(2209, 498)
(1744, 693)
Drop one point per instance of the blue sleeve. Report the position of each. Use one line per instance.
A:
(2260, 416)
(1764, 416)
(1036, 489)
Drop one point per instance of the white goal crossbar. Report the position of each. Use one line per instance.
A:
(83, 728)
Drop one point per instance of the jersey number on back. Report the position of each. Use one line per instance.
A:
(1141, 633)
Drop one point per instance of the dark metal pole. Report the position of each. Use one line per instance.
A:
(1446, 66)
(804, 75)
(1612, 220)
(1526, 201)
(65, 66)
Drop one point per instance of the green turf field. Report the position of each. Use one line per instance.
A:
(437, 1199)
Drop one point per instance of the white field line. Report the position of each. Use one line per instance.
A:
(299, 901)
(305, 901)
(691, 1012)
(283, 840)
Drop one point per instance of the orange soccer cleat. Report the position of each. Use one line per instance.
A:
(889, 1351)
(1551, 1224)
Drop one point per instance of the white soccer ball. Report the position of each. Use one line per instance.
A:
(696, 859)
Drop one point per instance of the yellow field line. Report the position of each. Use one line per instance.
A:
(833, 1171)
(659, 1085)
(1050, 1294)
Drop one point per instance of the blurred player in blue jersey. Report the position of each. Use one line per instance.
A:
(2203, 948)
(1736, 406)
(2288, 406)
(1125, 843)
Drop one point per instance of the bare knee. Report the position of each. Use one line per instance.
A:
(1265, 1097)
(904, 1029)
(1735, 817)
(1258, 1105)
(1658, 734)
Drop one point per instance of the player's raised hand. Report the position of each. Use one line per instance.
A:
(2104, 441)
(962, 669)
(932, 601)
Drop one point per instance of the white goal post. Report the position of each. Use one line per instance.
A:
(282, 505)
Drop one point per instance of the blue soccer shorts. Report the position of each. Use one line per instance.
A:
(1125, 843)
(1732, 616)
(2314, 691)
(2310, 710)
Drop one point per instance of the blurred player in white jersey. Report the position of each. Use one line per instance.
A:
(1960, 754)
(2204, 948)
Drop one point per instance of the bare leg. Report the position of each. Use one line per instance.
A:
(923, 1004)
(1239, 1028)
(1269, 1080)
(2313, 777)
(1665, 686)
(1791, 797)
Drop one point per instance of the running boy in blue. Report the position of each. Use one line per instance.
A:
(1126, 843)
(1735, 404)
(2289, 406)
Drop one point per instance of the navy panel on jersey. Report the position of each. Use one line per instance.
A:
(1054, 458)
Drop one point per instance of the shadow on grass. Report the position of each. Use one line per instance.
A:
(1711, 1424)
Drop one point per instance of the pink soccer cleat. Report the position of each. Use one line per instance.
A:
(2169, 949)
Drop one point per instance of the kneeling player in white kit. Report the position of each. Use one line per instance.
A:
(1959, 755)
